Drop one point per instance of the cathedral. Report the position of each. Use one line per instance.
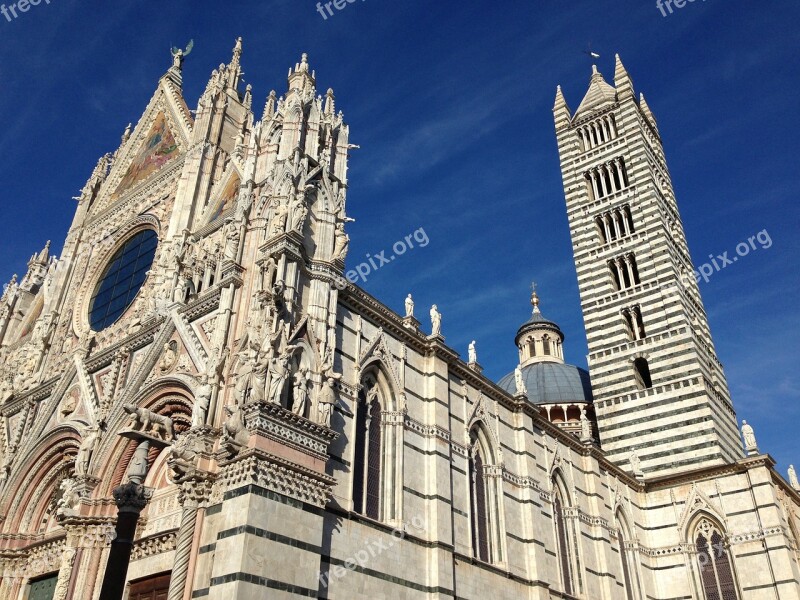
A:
(196, 405)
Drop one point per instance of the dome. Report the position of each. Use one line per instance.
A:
(552, 383)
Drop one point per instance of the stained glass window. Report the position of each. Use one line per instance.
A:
(122, 279)
(367, 459)
(716, 574)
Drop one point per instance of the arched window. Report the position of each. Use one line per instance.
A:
(367, 462)
(546, 346)
(480, 516)
(630, 575)
(642, 370)
(484, 496)
(566, 546)
(715, 572)
(378, 449)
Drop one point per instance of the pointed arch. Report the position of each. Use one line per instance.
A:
(378, 447)
(628, 556)
(565, 534)
(485, 495)
(35, 483)
(714, 575)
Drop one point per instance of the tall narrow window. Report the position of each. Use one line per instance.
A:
(563, 542)
(374, 461)
(629, 576)
(480, 517)
(367, 459)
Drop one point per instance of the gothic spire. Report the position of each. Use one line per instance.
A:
(560, 109)
(622, 81)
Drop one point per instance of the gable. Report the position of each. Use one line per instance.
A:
(158, 148)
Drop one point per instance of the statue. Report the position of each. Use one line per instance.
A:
(278, 223)
(231, 249)
(473, 353)
(137, 468)
(519, 381)
(148, 422)
(180, 290)
(88, 445)
(70, 497)
(749, 435)
(182, 457)
(325, 402)
(793, 478)
(341, 242)
(299, 213)
(409, 306)
(245, 375)
(436, 321)
(279, 373)
(586, 427)
(270, 270)
(234, 432)
(202, 401)
(300, 392)
(635, 463)
(178, 55)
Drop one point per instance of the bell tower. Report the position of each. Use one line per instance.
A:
(659, 389)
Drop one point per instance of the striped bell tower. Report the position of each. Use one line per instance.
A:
(660, 394)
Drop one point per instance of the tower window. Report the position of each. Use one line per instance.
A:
(546, 346)
(642, 373)
(634, 322)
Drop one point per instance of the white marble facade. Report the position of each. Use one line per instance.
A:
(305, 440)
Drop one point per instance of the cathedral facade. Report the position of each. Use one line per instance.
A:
(195, 405)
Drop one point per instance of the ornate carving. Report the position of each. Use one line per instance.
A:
(147, 422)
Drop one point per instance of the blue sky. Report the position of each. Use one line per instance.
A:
(451, 103)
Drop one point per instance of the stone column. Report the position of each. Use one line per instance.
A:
(130, 498)
(194, 492)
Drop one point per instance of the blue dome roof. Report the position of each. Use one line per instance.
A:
(552, 383)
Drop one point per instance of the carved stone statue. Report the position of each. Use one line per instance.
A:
(270, 269)
(299, 213)
(409, 306)
(150, 423)
(473, 353)
(70, 498)
(300, 392)
(182, 457)
(635, 463)
(137, 468)
(202, 401)
(246, 375)
(234, 432)
(586, 427)
(341, 242)
(436, 321)
(278, 223)
(279, 373)
(519, 381)
(91, 436)
(750, 445)
(231, 249)
(793, 478)
(325, 402)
